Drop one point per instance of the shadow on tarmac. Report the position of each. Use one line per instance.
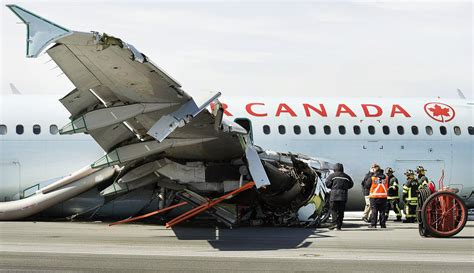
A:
(251, 238)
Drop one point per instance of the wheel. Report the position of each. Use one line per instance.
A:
(423, 195)
(422, 230)
(444, 214)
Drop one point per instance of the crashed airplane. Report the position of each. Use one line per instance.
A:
(156, 135)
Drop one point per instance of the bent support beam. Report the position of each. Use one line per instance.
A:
(128, 220)
(207, 205)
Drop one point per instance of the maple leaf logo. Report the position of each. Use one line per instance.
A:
(439, 111)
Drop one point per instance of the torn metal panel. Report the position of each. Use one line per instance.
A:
(167, 124)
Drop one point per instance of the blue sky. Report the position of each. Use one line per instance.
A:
(307, 48)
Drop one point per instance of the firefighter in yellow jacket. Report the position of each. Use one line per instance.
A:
(421, 177)
(393, 195)
(410, 196)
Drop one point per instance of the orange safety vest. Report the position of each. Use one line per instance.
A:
(378, 189)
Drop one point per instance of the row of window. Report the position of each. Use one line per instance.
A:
(370, 129)
(36, 129)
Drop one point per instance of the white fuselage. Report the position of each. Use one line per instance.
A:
(318, 127)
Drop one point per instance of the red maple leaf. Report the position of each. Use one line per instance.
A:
(440, 111)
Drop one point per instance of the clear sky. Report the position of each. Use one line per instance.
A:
(306, 48)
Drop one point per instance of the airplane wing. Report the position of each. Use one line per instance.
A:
(129, 105)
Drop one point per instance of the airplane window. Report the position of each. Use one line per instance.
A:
(3, 129)
(457, 130)
(400, 130)
(327, 129)
(371, 130)
(20, 129)
(266, 129)
(297, 129)
(36, 129)
(53, 129)
(429, 130)
(282, 129)
(470, 129)
(386, 129)
(356, 129)
(443, 130)
(342, 129)
(414, 130)
(312, 129)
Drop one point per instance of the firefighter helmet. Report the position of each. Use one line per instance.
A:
(409, 173)
(389, 170)
(420, 169)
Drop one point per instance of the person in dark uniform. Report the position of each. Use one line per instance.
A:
(393, 195)
(410, 196)
(339, 183)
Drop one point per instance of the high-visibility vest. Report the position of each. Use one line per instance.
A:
(378, 189)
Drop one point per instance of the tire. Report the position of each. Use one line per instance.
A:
(422, 230)
(432, 231)
(423, 195)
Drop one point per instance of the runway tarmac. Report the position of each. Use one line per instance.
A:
(96, 247)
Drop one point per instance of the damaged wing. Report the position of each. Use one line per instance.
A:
(125, 101)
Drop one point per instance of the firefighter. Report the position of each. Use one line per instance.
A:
(422, 179)
(393, 195)
(410, 196)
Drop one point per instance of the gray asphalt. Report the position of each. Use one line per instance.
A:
(96, 247)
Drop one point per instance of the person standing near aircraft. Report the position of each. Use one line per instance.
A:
(422, 179)
(367, 179)
(410, 196)
(339, 183)
(393, 195)
(378, 198)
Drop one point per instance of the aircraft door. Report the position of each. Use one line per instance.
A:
(373, 150)
(10, 180)
(246, 124)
